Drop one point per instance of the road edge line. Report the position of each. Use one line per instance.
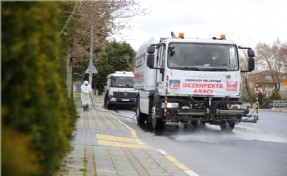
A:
(177, 163)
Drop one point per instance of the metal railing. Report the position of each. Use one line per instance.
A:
(280, 104)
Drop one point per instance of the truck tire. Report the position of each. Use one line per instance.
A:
(231, 125)
(223, 125)
(194, 124)
(157, 123)
(107, 102)
(141, 118)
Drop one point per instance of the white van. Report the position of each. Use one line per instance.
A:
(120, 90)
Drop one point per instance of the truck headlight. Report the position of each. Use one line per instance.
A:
(169, 105)
(113, 99)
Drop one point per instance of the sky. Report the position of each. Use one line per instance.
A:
(246, 22)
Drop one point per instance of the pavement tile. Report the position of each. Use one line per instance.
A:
(122, 160)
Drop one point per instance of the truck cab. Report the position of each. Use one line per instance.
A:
(120, 90)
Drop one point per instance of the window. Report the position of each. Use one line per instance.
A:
(268, 77)
(122, 81)
(232, 58)
(202, 57)
(281, 76)
(269, 85)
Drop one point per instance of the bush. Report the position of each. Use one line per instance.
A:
(261, 98)
(17, 157)
(275, 96)
(35, 107)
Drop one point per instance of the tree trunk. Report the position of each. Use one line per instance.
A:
(69, 80)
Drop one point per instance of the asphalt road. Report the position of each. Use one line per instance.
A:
(249, 150)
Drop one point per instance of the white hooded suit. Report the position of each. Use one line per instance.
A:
(85, 91)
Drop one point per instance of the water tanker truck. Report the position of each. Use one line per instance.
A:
(190, 81)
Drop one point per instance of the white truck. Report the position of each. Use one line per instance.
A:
(120, 90)
(178, 81)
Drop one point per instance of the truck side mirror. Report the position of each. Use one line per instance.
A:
(251, 64)
(150, 60)
(250, 53)
(151, 49)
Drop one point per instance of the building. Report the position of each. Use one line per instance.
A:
(266, 84)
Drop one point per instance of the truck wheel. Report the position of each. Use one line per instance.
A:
(223, 125)
(157, 123)
(140, 116)
(231, 125)
(109, 106)
(194, 124)
(106, 101)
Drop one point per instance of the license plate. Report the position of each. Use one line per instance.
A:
(125, 100)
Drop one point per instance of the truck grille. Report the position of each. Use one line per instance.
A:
(125, 94)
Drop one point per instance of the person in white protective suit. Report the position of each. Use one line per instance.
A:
(85, 95)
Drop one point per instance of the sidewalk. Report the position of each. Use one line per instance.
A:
(274, 110)
(104, 146)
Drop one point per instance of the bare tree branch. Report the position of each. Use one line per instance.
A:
(273, 59)
(68, 20)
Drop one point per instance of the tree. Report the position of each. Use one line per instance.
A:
(68, 10)
(274, 59)
(37, 116)
(97, 20)
(117, 56)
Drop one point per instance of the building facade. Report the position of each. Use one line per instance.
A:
(266, 82)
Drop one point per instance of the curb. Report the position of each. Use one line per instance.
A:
(273, 110)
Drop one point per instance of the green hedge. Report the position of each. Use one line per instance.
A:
(37, 117)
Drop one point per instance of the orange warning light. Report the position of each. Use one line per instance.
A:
(181, 35)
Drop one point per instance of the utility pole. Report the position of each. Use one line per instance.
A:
(91, 68)
(91, 55)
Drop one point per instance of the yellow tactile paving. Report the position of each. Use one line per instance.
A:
(114, 141)
(120, 144)
(115, 138)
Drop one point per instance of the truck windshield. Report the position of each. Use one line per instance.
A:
(202, 57)
(122, 81)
